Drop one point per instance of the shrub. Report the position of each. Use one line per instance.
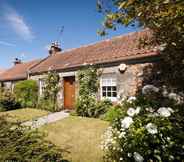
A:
(26, 93)
(115, 112)
(46, 104)
(147, 131)
(19, 143)
(86, 106)
(7, 101)
(102, 107)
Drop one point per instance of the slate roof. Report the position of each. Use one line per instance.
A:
(18, 72)
(119, 48)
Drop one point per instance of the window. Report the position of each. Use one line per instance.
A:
(109, 87)
(41, 86)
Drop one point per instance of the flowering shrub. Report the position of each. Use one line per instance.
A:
(151, 128)
(87, 104)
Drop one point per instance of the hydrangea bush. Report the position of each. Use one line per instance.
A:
(151, 128)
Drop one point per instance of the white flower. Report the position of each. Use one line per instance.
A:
(108, 139)
(151, 128)
(122, 134)
(148, 89)
(150, 109)
(131, 111)
(173, 96)
(177, 98)
(121, 159)
(131, 99)
(138, 109)
(170, 109)
(138, 157)
(129, 154)
(126, 122)
(152, 115)
(164, 112)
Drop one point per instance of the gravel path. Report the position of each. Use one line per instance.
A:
(46, 119)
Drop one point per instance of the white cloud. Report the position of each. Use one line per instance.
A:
(7, 44)
(18, 23)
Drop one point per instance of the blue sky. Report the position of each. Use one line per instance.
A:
(27, 27)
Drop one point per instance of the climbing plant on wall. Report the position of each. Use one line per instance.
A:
(87, 103)
(51, 89)
(88, 87)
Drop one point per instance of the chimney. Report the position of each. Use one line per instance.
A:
(54, 48)
(17, 61)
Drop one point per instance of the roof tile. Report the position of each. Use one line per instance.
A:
(18, 72)
(111, 50)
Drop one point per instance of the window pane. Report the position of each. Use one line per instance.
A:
(109, 94)
(104, 94)
(103, 88)
(109, 88)
(114, 94)
(113, 88)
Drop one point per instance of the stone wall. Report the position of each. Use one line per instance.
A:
(127, 82)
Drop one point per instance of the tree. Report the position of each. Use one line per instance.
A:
(164, 18)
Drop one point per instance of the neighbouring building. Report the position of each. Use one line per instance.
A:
(1, 71)
(20, 71)
(120, 59)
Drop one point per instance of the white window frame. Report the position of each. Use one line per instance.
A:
(108, 80)
(41, 86)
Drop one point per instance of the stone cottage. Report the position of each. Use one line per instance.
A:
(120, 59)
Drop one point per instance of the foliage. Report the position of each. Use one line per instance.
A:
(21, 144)
(26, 93)
(8, 101)
(113, 113)
(46, 104)
(51, 89)
(88, 81)
(164, 18)
(88, 87)
(87, 104)
(148, 130)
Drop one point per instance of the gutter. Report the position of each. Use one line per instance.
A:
(135, 60)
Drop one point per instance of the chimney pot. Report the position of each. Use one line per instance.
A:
(55, 47)
(17, 61)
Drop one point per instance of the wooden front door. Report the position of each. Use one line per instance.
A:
(69, 92)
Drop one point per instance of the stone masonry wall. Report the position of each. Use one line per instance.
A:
(127, 82)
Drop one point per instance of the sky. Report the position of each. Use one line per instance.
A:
(28, 27)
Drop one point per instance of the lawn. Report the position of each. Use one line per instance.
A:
(24, 114)
(80, 136)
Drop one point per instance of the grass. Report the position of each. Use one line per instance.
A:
(80, 136)
(24, 114)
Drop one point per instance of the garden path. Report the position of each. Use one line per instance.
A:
(53, 117)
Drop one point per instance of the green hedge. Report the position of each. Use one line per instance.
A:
(26, 93)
